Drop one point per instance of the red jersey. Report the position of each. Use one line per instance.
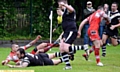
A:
(13, 57)
(95, 19)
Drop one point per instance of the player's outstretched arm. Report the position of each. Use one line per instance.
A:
(23, 65)
(4, 62)
(31, 43)
(8, 59)
(35, 40)
(81, 26)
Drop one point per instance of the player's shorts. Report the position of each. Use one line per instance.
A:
(93, 35)
(46, 59)
(110, 33)
(69, 37)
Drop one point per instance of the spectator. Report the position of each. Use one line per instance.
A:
(88, 11)
(102, 24)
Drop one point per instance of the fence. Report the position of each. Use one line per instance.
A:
(13, 18)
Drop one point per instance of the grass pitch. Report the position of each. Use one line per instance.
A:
(111, 62)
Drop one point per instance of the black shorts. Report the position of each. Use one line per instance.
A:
(111, 33)
(69, 37)
(46, 59)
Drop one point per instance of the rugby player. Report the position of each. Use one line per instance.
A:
(40, 59)
(93, 33)
(111, 29)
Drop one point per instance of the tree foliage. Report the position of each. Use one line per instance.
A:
(15, 16)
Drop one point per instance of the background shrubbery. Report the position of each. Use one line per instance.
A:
(16, 17)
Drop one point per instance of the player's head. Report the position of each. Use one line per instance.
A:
(20, 53)
(59, 12)
(100, 7)
(15, 47)
(114, 6)
(106, 6)
(62, 1)
(89, 4)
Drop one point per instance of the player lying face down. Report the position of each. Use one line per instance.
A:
(40, 59)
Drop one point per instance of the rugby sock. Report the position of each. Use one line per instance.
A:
(104, 50)
(74, 48)
(90, 51)
(61, 60)
(118, 41)
(97, 55)
(58, 54)
(65, 58)
(49, 46)
(34, 51)
(46, 49)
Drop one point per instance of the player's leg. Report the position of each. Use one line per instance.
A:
(53, 55)
(48, 61)
(74, 48)
(64, 54)
(94, 36)
(97, 44)
(104, 39)
(58, 61)
(90, 51)
(115, 41)
(66, 41)
(40, 46)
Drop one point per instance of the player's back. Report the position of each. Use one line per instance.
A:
(94, 19)
(33, 60)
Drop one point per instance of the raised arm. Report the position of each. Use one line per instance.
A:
(69, 7)
(31, 43)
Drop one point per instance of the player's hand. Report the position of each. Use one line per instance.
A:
(38, 37)
(93, 10)
(62, 3)
(18, 63)
(79, 34)
(112, 27)
(3, 62)
(10, 66)
(54, 29)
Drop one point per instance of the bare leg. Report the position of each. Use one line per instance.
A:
(114, 41)
(51, 56)
(104, 38)
(56, 62)
(41, 46)
(97, 44)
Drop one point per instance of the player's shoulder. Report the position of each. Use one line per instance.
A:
(12, 53)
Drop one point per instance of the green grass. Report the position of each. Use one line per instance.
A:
(111, 62)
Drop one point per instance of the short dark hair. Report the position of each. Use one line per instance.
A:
(22, 51)
(65, 1)
(100, 7)
(115, 3)
(13, 45)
